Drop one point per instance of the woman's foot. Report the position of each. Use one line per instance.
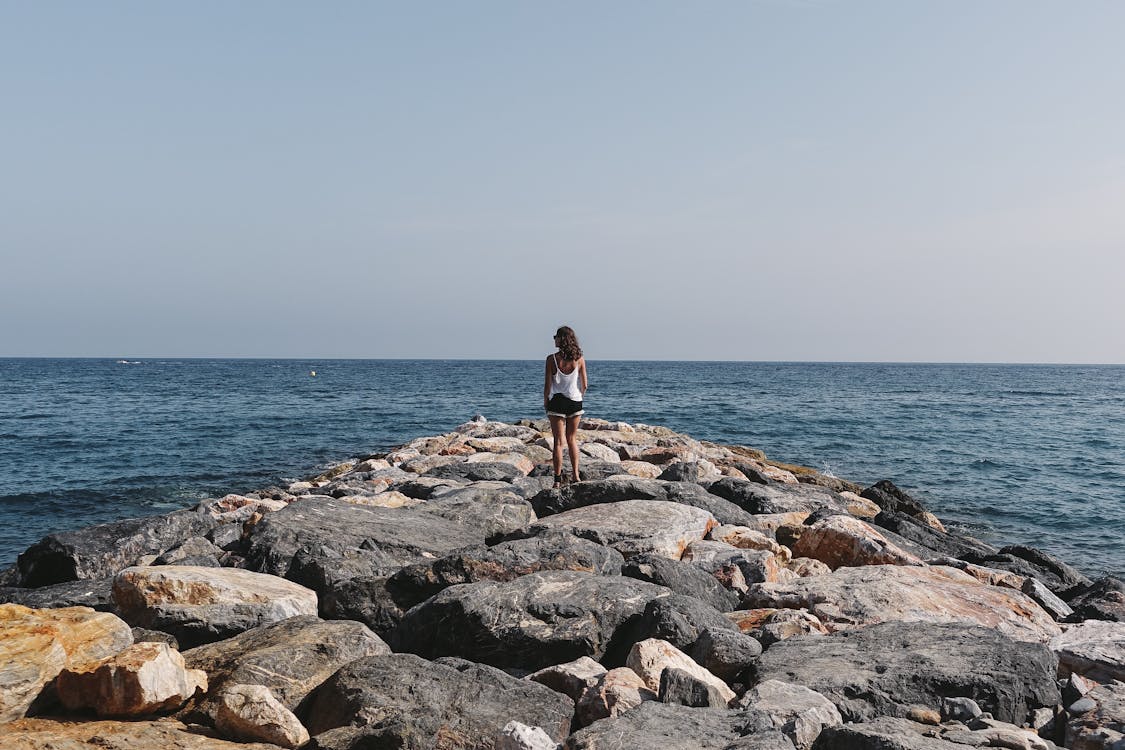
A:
(558, 481)
(574, 479)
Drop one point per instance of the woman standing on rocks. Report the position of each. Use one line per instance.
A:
(563, 387)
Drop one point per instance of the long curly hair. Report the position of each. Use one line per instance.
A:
(568, 344)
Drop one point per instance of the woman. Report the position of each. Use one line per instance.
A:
(563, 387)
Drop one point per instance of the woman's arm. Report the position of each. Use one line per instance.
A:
(582, 375)
(547, 381)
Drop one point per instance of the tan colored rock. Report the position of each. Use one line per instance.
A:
(743, 537)
(600, 452)
(769, 523)
(519, 460)
(641, 469)
(730, 471)
(228, 507)
(779, 475)
(991, 576)
(389, 499)
(854, 597)
(373, 464)
(572, 679)
(930, 520)
(164, 734)
(1094, 649)
(198, 604)
(299, 487)
(1102, 727)
(839, 541)
(635, 526)
(251, 713)
(665, 455)
(495, 444)
(804, 567)
(800, 713)
(650, 657)
(422, 464)
(145, 678)
(398, 457)
(615, 692)
(756, 566)
(430, 446)
(860, 506)
(36, 644)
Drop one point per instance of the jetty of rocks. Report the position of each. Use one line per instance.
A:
(683, 595)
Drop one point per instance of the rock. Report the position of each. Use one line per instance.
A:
(941, 542)
(682, 578)
(200, 605)
(1029, 562)
(516, 736)
(1095, 649)
(990, 576)
(143, 635)
(531, 622)
(769, 523)
(1102, 726)
(670, 727)
(887, 669)
(290, 657)
(804, 567)
(37, 644)
(101, 551)
(714, 557)
(145, 678)
(195, 547)
(518, 460)
(504, 562)
(1053, 605)
(744, 537)
(890, 498)
(1104, 599)
(389, 499)
(166, 734)
(839, 541)
(601, 452)
(366, 600)
(94, 593)
(649, 658)
(251, 713)
(859, 506)
(801, 714)
(634, 527)
(853, 597)
(476, 472)
(571, 679)
(1075, 687)
(679, 620)
(991, 733)
(725, 653)
(959, 709)
(642, 469)
(778, 624)
(451, 703)
(884, 733)
(685, 689)
(615, 692)
(758, 498)
(700, 472)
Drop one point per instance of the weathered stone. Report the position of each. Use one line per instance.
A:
(887, 669)
(1042, 595)
(685, 689)
(1102, 727)
(804, 567)
(987, 732)
(744, 537)
(101, 551)
(1029, 562)
(251, 713)
(518, 460)
(725, 653)
(1094, 649)
(667, 726)
(769, 523)
(389, 499)
(571, 679)
(1104, 599)
(756, 566)
(601, 452)
(368, 600)
(682, 578)
(196, 546)
(700, 472)
(145, 678)
(853, 597)
(859, 506)
(890, 498)
(679, 620)
(531, 622)
(800, 713)
(841, 540)
(990, 576)
(634, 527)
(941, 542)
(612, 694)
(199, 605)
(642, 469)
(883, 733)
(37, 644)
(650, 657)
(94, 593)
(517, 736)
(165, 734)
(450, 703)
(476, 472)
(290, 657)
(758, 498)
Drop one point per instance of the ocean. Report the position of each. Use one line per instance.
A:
(1009, 453)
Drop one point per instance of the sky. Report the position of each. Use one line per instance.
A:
(796, 181)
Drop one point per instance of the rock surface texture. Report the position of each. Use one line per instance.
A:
(145, 678)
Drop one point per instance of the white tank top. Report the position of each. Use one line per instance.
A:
(565, 383)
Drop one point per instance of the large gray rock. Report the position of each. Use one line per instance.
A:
(1102, 727)
(726, 653)
(673, 727)
(401, 700)
(884, 670)
(941, 542)
(101, 551)
(757, 498)
(1029, 562)
(364, 599)
(483, 471)
(800, 713)
(683, 578)
(531, 622)
(1104, 599)
(884, 733)
(290, 657)
(634, 527)
(1094, 649)
(95, 593)
(503, 562)
(678, 619)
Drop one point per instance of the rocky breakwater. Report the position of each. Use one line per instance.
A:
(444, 595)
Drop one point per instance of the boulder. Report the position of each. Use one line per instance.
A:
(634, 527)
(682, 578)
(854, 597)
(725, 653)
(890, 498)
(1102, 726)
(775, 625)
(890, 668)
(165, 734)
(516, 736)
(990, 576)
(649, 658)
(941, 542)
(1029, 562)
(401, 700)
(1104, 599)
(518, 460)
(680, 620)
(699, 472)
(369, 600)
(250, 713)
(642, 469)
(759, 498)
(481, 471)
(571, 679)
(531, 622)
(744, 537)
(200, 605)
(601, 452)
(503, 562)
(841, 540)
(612, 694)
(769, 523)
(685, 689)
(103, 550)
(1043, 596)
(37, 644)
(95, 593)
(715, 557)
(884, 733)
(290, 657)
(1094, 649)
(801, 714)
(145, 678)
(671, 727)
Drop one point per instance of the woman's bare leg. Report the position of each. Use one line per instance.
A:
(557, 448)
(572, 444)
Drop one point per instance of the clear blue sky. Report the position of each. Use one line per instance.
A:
(907, 181)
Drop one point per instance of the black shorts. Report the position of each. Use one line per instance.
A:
(561, 406)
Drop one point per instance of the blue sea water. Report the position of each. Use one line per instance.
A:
(1013, 454)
